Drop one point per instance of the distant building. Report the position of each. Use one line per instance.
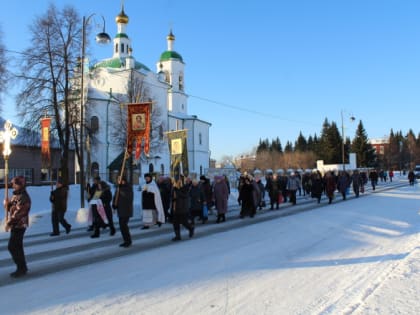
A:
(25, 160)
(380, 145)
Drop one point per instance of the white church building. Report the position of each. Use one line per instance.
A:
(113, 83)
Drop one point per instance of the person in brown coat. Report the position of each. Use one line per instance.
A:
(18, 220)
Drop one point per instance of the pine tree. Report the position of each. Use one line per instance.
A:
(301, 144)
(330, 143)
(365, 153)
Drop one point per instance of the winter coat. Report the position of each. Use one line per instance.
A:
(256, 193)
(221, 196)
(343, 183)
(317, 187)
(262, 189)
(106, 196)
(272, 188)
(58, 198)
(165, 188)
(196, 199)
(207, 190)
(357, 181)
(124, 204)
(180, 201)
(246, 197)
(293, 183)
(19, 207)
(330, 185)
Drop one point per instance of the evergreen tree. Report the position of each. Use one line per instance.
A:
(301, 144)
(330, 144)
(276, 146)
(365, 152)
(289, 147)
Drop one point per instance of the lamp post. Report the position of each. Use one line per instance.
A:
(8, 134)
(343, 139)
(101, 38)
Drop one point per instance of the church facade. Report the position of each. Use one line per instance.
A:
(114, 83)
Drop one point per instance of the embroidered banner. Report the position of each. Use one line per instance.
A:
(177, 141)
(138, 125)
(45, 142)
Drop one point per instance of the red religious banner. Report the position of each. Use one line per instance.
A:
(45, 142)
(138, 125)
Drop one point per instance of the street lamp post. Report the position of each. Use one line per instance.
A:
(101, 38)
(8, 134)
(343, 139)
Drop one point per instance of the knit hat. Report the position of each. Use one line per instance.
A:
(19, 181)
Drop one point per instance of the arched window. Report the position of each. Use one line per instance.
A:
(181, 82)
(116, 48)
(162, 169)
(151, 168)
(122, 48)
(167, 77)
(94, 124)
(200, 138)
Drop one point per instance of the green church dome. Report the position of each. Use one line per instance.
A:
(118, 63)
(168, 55)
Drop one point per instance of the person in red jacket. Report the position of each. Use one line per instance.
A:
(18, 220)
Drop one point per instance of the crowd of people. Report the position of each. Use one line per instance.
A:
(180, 201)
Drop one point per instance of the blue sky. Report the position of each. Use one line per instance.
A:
(262, 69)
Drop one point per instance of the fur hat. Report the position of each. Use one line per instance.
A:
(147, 175)
(19, 181)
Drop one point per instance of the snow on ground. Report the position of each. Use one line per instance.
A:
(360, 256)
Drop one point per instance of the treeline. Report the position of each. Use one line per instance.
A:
(399, 152)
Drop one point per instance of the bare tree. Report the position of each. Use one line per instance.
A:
(47, 71)
(4, 74)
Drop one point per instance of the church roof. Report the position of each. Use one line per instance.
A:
(118, 63)
(170, 54)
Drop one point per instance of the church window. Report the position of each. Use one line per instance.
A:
(167, 77)
(200, 138)
(94, 123)
(181, 82)
(122, 48)
(116, 48)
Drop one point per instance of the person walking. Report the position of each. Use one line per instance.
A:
(293, 184)
(123, 203)
(97, 215)
(180, 208)
(221, 196)
(18, 208)
(317, 185)
(330, 185)
(391, 175)
(58, 198)
(343, 183)
(196, 202)
(165, 188)
(247, 198)
(106, 198)
(411, 177)
(272, 188)
(151, 202)
(357, 182)
(373, 176)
